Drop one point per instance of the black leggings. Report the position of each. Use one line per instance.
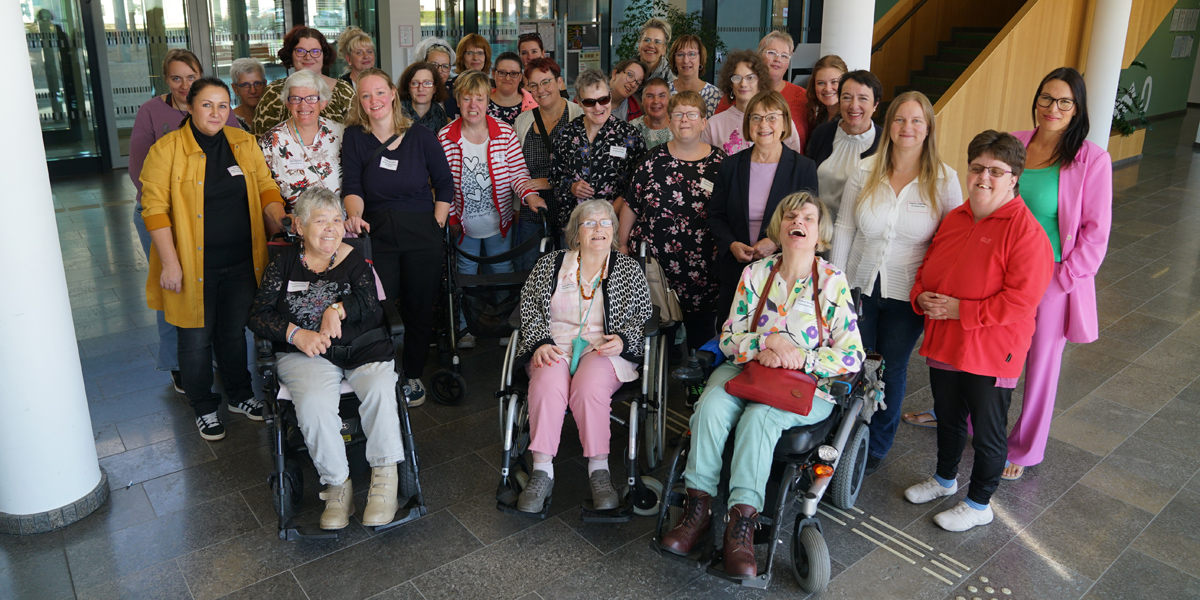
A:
(407, 250)
(228, 294)
(957, 395)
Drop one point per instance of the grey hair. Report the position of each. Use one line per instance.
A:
(590, 78)
(430, 44)
(246, 66)
(588, 208)
(306, 79)
(316, 198)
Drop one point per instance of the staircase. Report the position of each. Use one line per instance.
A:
(944, 68)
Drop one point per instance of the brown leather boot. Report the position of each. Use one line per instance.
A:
(697, 516)
(739, 542)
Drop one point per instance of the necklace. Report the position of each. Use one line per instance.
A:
(579, 262)
(332, 258)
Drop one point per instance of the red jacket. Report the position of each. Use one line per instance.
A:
(998, 268)
(506, 164)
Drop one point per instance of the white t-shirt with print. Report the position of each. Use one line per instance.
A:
(480, 219)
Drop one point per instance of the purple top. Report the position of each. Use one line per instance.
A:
(155, 118)
(762, 175)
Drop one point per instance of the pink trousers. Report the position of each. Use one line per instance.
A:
(1027, 442)
(552, 389)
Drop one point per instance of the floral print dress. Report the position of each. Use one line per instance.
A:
(669, 197)
(297, 167)
(606, 162)
(272, 108)
(789, 311)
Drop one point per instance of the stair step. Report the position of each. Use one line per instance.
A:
(935, 68)
(971, 40)
(928, 89)
(991, 30)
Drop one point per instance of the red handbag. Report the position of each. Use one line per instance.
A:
(785, 389)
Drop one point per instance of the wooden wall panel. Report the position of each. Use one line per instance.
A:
(1144, 19)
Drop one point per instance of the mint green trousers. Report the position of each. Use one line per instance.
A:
(758, 429)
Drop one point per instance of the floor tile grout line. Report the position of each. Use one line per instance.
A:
(298, 584)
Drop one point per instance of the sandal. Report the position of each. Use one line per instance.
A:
(1007, 466)
(916, 419)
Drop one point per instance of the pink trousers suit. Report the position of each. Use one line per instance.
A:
(1067, 312)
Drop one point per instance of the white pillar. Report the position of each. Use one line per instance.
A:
(398, 17)
(846, 30)
(47, 452)
(1106, 51)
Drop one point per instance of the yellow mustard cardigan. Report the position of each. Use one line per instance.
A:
(173, 196)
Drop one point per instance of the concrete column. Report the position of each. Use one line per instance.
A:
(1106, 50)
(846, 30)
(393, 57)
(49, 475)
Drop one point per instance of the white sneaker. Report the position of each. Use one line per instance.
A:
(928, 490)
(417, 395)
(962, 517)
(466, 341)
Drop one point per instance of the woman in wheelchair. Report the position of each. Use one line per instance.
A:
(787, 337)
(318, 304)
(582, 317)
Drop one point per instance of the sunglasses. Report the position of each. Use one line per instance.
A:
(525, 37)
(590, 102)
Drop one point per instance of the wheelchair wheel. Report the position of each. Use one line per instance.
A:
(448, 387)
(847, 480)
(810, 559)
(293, 490)
(648, 503)
(408, 478)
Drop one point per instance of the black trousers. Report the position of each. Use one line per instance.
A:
(228, 294)
(957, 395)
(407, 249)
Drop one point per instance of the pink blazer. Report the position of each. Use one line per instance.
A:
(1085, 198)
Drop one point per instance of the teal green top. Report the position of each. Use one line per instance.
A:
(1039, 189)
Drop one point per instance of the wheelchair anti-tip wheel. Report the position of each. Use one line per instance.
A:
(647, 503)
(847, 479)
(810, 558)
(448, 388)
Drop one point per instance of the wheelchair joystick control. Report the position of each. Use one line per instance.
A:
(691, 375)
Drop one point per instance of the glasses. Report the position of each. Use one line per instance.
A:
(443, 68)
(301, 52)
(245, 87)
(630, 76)
(545, 84)
(773, 55)
(1064, 104)
(590, 102)
(420, 84)
(475, 53)
(507, 74)
(736, 79)
(591, 223)
(770, 118)
(305, 99)
(996, 172)
(682, 55)
(650, 40)
(691, 116)
(525, 37)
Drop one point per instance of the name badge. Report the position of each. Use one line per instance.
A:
(297, 286)
(568, 286)
(916, 206)
(706, 185)
(235, 171)
(296, 163)
(617, 151)
(388, 163)
(805, 305)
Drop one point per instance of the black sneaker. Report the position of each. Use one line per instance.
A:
(177, 381)
(416, 395)
(872, 464)
(251, 407)
(210, 427)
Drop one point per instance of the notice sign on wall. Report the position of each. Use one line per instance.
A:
(1182, 47)
(1184, 19)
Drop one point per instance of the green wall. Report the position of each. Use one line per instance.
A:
(1172, 77)
(882, 6)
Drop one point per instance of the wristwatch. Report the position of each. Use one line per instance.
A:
(338, 307)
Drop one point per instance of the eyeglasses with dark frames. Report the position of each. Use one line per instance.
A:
(1064, 104)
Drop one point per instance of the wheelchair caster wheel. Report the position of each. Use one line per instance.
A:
(448, 387)
(647, 503)
(810, 559)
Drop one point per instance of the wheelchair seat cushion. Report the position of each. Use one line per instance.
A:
(802, 439)
(284, 394)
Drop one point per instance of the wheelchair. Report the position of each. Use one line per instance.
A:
(289, 452)
(485, 299)
(809, 461)
(647, 398)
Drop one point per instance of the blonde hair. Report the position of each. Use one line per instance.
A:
(585, 208)
(661, 25)
(768, 100)
(472, 82)
(796, 201)
(931, 162)
(358, 116)
(184, 56)
(773, 36)
(352, 38)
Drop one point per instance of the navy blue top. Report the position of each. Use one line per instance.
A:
(420, 162)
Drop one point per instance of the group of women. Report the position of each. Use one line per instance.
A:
(752, 194)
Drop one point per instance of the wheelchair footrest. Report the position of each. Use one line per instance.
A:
(411, 511)
(511, 509)
(761, 582)
(294, 532)
(620, 514)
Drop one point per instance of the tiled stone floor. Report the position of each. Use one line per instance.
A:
(1110, 514)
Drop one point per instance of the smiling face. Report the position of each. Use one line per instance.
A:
(508, 76)
(417, 90)
(529, 50)
(599, 113)
(745, 89)
(179, 80)
(544, 87)
(654, 101)
(909, 129)
(376, 97)
(475, 58)
(778, 57)
(361, 57)
(597, 238)
(303, 57)
(442, 60)
(628, 81)
(210, 109)
(767, 125)
(985, 189)
(800, 230)
(249, 88)
(652, 46)
(303, 112)
(323, 230)
(687, 61)
(473, 107)
(825, 83)
(1053, 118)
(858, 105)
(683, 128)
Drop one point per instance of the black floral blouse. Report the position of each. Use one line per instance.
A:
(606, 163)
(669, 197)
(508, 114)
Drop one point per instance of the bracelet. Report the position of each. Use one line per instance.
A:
(292, 336)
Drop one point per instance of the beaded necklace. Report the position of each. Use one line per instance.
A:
(332, 258)
(579, 262)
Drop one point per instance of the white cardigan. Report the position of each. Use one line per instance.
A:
(890, 239)
(525, 120)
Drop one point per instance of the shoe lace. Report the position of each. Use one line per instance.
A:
(537, 485)
(692, 512)
(603, 485)
(209, 420)
(743, 528)
(415, 386)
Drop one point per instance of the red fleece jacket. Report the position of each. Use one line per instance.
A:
(998, 268)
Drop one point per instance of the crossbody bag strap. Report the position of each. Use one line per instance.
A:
(762, 299)
(817, 307)
(381, 148)
(537, 116)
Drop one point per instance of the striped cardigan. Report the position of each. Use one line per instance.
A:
(506, 165)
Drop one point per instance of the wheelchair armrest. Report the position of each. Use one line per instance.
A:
(651, 328)
(842, 385)
(391, 319)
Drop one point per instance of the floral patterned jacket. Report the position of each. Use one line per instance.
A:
(606, 163)
(297, 167)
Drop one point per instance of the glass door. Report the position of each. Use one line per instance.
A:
(61, 78)
(247, 28)
(442, 18)
(498, 22)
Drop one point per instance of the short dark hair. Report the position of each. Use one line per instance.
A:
(532, 36)
(300, 32)
(629, 62)
(513, 56)
(544, 63)
(198, 86)
(439, 87)
(1077, 130)
(737, 57)
(1001, 146)
(862, 77)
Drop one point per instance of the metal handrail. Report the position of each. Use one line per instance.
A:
(897, 27)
